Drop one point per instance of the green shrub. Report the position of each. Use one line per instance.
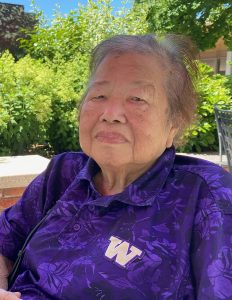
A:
(202, 136)
(62, 128)
(38, 103)
(229, 85)
(25, 103)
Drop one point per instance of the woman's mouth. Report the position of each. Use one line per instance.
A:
(110, 137)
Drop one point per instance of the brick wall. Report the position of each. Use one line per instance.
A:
(9, 196)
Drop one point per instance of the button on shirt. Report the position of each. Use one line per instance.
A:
(168, 235)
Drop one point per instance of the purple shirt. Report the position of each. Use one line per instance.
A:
(168, 235)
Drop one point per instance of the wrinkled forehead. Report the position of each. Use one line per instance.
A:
(145, 85)
(137, 57)
(142, 69)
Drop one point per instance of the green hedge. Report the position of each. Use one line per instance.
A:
(213, 90)
(38, 104)
(229, 84)
(70, 82)
(25, 103)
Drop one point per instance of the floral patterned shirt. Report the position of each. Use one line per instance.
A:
(168, 235)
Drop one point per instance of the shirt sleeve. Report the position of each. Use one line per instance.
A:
(212, 244)
(17, 221)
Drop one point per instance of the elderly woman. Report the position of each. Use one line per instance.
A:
(127, 218)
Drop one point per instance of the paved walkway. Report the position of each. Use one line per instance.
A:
(213, 157)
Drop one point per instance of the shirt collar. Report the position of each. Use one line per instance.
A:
(142, 191)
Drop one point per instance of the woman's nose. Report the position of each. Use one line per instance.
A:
(113, 112)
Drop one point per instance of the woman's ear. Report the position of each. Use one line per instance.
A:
(172, 133)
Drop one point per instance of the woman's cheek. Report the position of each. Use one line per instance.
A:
(87, 107)
(138, 114)
(88, 114)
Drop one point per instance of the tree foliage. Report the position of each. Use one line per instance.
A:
(205, 21)
(81, 30)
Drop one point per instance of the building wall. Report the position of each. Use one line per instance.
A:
(12, 20)
(216, 57)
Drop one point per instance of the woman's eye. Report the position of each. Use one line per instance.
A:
(137, 99)
(99, 97)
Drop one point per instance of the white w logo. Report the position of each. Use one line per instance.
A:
(119, 249)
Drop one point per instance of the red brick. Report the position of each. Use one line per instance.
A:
(12, 192)
(10, 196)
(5, 203)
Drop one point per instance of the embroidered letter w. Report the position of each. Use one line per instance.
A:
(120, 249)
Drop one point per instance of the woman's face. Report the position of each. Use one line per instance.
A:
(124, 118)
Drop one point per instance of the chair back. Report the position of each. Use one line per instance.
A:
(224, 127)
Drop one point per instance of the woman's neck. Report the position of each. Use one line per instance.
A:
(110, 181)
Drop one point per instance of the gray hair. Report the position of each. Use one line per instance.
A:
(178, 54)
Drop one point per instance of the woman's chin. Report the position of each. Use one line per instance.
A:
(111, 158)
